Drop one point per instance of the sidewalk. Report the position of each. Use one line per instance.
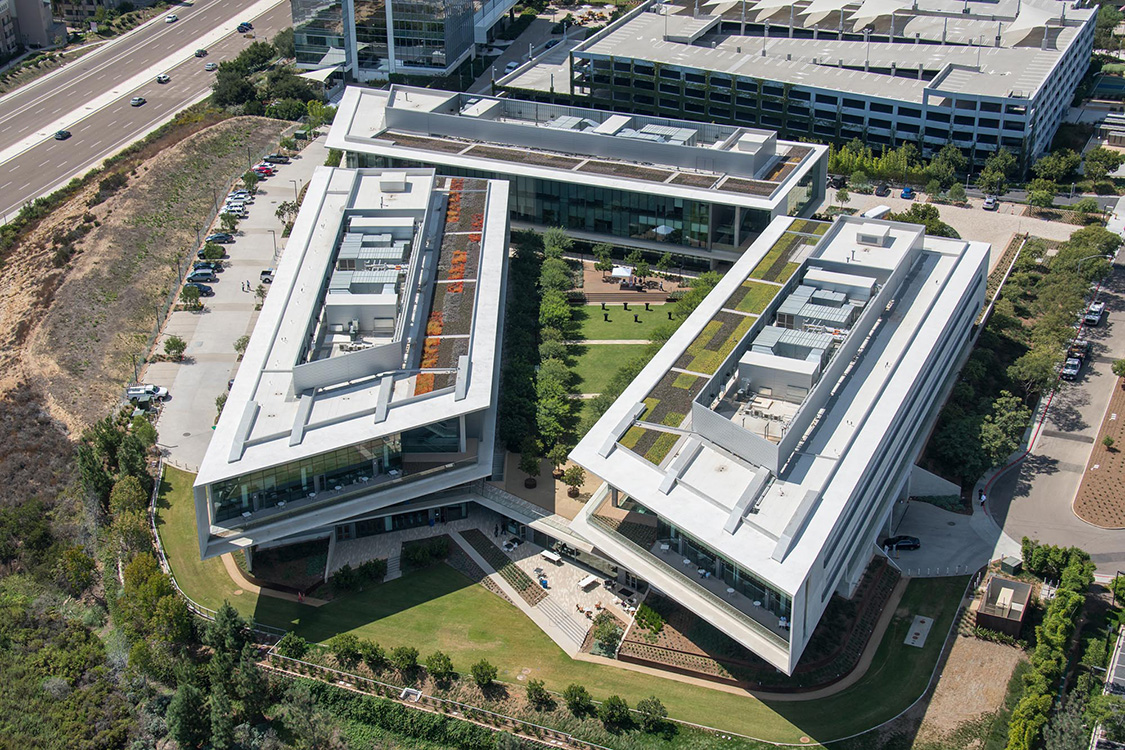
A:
(186, 421)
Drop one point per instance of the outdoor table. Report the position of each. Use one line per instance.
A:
(588, 581)
(551, 557)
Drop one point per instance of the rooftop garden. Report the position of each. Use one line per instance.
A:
(651, 445)
(776, 266)
(525, 157)
(715, 342)
(668, 404)
(752, 297)
(695, 180)
(632, 171)
(426, 144)
(749, 187)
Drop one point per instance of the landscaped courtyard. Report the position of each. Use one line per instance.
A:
(592, 325)
(438, 608)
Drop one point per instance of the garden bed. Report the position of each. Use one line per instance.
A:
(751, 297)
(426, 144)
(749, 187)
(525, 157)
(529, 590)
(715, 342)
(776, 265)
(695, 180)
(630, 171)
(651, 445)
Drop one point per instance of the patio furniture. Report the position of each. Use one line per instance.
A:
(687, 562)
(551, 557)
(783, 623)
(757, 603)
(664, 547)
(588, 581)
(730, 591)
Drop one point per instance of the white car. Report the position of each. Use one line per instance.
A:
(163, 78)
(511, 66)
(1094, 313)
(1070, 368)
(154, 392)
(171, 18)
(211, 66)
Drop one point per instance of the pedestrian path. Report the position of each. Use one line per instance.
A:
(245, 584)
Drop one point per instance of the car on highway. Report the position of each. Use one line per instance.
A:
(882, 190)
(552, 43)
(171, 18)
(204, 289)
(1094, 313)
(211, 66)
(901, 543)
(276, 159)
(511, 66)
(220, 238)
(907, 193)
(247, 24)
(201, 53)
(163, 78)
(991, 203)
(137, 101)
(203, 274)
(244, 27)
(152, 392)
(1071, 368)
(62, 135)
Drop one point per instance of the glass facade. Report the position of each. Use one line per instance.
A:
(439, 437)
(300, 479)
(319, 32)
(432, 33)
(803, 193)
(399, 521)
(371, 52)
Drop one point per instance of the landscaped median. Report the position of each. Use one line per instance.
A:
(438, 608)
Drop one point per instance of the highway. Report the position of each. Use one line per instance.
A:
(90, 97)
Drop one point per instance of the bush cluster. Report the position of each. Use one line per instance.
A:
(348, 578)
(425, 552)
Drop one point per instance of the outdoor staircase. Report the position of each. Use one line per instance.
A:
(394, 568)
(564, 622)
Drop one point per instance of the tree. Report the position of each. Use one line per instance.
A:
(440, 667)
(529, 457)
(250, 180)
(652, 713)
(283, 42)
(1057, 166)
(1036, 369)
(404, 659)
(75, 570)
(933, 188)
(1041, 192)
(578, 700)
(288, 144)
(186, 719)
(993, 181)
(251, 685)
(664, 263)
(642, 270)
(927, 215)
(483, 673)
(189, 295)
(607, 633)
(286, 109)
(574, 477)
(537, 695)
(231, 89)
(127, 495)
(222, 718)
(558, 456)
(174, 347)
(345, 647)
(1002, 161)
(213, 251)
(130, 533)
(614, 712)
(557, 240)
(240, 345)
(1109, 710)
(1119, 368)
(1066, 729)
(554, 310)
(1108, 442)
(228, 221)
(1108, 19)
(1086, 206)
(956, 193)
(287, 211)
(144, 431)
(310, 727)
(555, 274)
(373, 656)
(604, 256)
(292, 646)
(228, 632)
(1001, 431)
(1100, 161)
(319, 113)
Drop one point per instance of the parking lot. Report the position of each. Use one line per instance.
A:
(210, 361)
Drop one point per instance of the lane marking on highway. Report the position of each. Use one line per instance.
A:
(180, 56)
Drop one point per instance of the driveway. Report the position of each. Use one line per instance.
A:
(1034, 498)
(952, 543)
(186, 420)
(535, 36)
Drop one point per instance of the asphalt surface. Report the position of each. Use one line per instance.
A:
(30, 111)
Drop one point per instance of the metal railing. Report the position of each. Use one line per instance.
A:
(711, 598)
(502, 496)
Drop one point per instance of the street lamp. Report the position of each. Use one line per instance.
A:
(295, 196)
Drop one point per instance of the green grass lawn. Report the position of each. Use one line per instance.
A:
(437, 608)
(596, 364)
(593, 327)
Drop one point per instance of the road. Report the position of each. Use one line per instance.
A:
(90, 97)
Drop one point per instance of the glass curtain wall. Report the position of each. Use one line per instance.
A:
(299, 479)
(319, 32)
(371, 35)
(432, 33)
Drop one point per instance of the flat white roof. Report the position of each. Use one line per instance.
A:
(837, 451)
(270, 418)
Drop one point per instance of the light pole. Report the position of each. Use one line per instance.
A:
(295, 196)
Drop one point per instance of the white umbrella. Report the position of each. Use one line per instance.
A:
(771, 7)
(818, 9)
(873, 9)
(1029, 19)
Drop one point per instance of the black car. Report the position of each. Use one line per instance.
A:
(201, 53)
(62, 135)
(244, 27)
(221, 238)
(210, 265)
(901, 542)
(552, 43)
(882, 189)
(204, 290)
(837, 181)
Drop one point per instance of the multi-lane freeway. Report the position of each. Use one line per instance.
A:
(90, 97)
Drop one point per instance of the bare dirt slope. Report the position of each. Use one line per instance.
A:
(83, 291)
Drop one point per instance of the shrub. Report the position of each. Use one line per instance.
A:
(649, 619)
(174, 347)
(425, 552)
(483, 673)
(404, 659)
(578, 699)
(440, 666)
(373, 656)
(614, 712)
(652, 713)
(345, 647)
(292, 646)
(607, 632)
(537, 695)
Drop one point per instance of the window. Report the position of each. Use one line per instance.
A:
(854, 103)
(748, 86)
(720, 114)
(693, 107)
(773, 91)
(884, 108)
(909, 112)
(672, 75)
(964, 120)
(826, 99)
(694, 78)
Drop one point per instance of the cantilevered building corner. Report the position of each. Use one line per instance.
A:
(751, 465)
(370, 378)
(647, 182)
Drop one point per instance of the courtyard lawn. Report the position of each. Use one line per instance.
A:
(438, 608)
(596, 364)
(593, 327)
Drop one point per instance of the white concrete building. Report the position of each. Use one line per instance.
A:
(370, 378)
(648, 182)
(975, 74)
(752, 464)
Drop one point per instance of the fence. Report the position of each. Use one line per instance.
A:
(414, 698)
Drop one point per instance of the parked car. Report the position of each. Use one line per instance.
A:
(204, 290)
(234, 205)
(991, 203)
(901, 543)
(221, 238)
(199, 254)
(163, 78)
(511, 66)
(1071, 368)
(211, 66)
(907, 193)
(266, 277)
(264, 171)
(153, 392)
(242, 195)
(171, 18)
(837, 181)
(201, 53)
(266, 165)
(882, 189)
(552, 43)
(1094, 313)
(62, 135)
(277, 159)
(1078, 349)
(204, 275)
(211, 265)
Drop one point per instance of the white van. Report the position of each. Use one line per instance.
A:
(878, 212)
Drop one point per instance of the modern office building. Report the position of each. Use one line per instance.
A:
(27, 24)
(979, 75)
(751, 465)
(368, 40)
(641, 181)
(370, 378)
